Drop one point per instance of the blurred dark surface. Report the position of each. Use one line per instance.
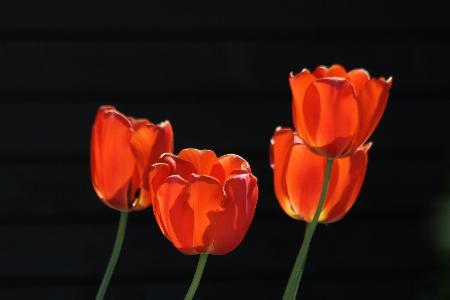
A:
(219, 72)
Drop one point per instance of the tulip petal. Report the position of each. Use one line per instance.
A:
(280, 149)
(337, 71)
(147, 145)
(358, 78)
(176, 214)
(234, 165)
(372, 100)
(236, 213)
(205, 161)
(158, 173)
(304, 178)
(347, 177)
(205, 198)
(189, 211)
(136, 124)
(330, 114)
(112, 162)
(299, 84)
(178, 166)
(320, 72)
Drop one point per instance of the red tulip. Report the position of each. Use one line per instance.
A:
(203, 204)
(299, 175)
(335, 112)
(122, 151)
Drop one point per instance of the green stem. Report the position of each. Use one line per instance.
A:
(114, 255)
(297, 271)
(198, 275)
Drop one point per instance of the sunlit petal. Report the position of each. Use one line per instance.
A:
(304, 178)
(112, 162)
(372, 100)
(336, 71)
(280, 148)
(330, 112)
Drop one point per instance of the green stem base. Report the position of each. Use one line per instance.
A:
(115, 254)
(198, 275)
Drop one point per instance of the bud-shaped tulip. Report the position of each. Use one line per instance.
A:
(335, 112)
(122, 152)
(299, 175)
(203, 204)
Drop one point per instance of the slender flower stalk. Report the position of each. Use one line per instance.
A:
(297, 271)
(198, 275)
(114, 255)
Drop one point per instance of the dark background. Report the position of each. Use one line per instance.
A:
(219, 72)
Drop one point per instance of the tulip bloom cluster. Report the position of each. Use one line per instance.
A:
(319, 170)
(205, 205)
(334, 113)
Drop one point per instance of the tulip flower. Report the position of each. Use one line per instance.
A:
(299, 176)
(122, 152)
(335, 111)
(203, 204)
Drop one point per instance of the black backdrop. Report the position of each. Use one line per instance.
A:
(219, 72)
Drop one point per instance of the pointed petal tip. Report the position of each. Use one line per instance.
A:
(366, 147)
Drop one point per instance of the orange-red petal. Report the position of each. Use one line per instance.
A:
(303, 179)
(280, 149)
(372, 100)
(336, 71)
(176, 215)
(189, 210)
(235, 213)
(358, 78)
(234, 165)
(112, 162)
(205, 162)
(346, 181)
(158, 173)
(147, 145)
(178, 166)
(330, 114)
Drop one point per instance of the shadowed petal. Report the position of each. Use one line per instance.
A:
(147, 145)
(320, 72)
(236, 213)
(205, 162)
(178, 166)
(136, 124)
(158, 174)
(347, 179)
(189, 211)
(372, 100)
(205, 199)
